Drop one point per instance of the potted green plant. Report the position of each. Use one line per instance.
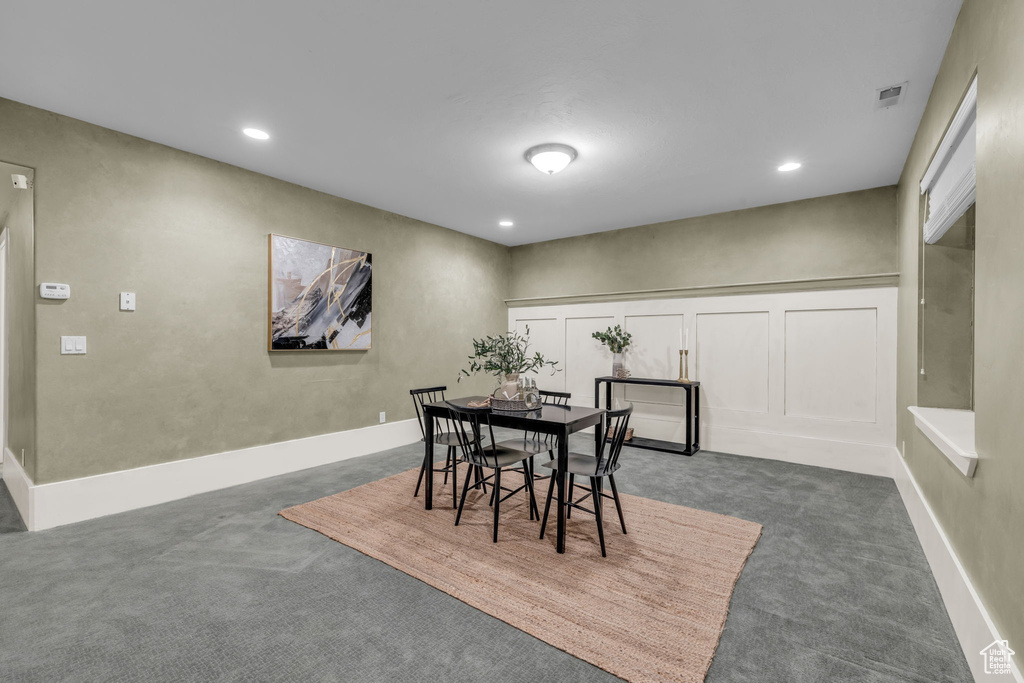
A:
(505, 356)
(617, 340)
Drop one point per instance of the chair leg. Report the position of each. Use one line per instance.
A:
(447, 465)
(455, 476)
(462, 501)
(528, 476)
(547, 503)
(497, 500)
(618, 505)
(595, 487)
(572, 483)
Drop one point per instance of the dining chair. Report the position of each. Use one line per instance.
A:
(443, 436)
(537, 442)
(605, 464)
(470, 425)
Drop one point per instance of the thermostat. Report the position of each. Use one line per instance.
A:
(54, 290)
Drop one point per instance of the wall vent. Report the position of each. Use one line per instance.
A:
(890, 96)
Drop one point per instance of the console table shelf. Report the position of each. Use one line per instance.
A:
(691, 414)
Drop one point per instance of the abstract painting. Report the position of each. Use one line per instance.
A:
(320, 296)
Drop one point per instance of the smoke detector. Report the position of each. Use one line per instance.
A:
(890, 96)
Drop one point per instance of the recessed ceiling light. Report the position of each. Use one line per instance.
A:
(550, 158)
(791, 166)
(506, 224)
(256, 133)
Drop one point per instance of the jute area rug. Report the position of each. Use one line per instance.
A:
(653, 610)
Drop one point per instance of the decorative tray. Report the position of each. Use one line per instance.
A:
(515, 406)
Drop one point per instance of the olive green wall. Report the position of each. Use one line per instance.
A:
(982, 516)
(188, 373)
(844, 235)
(16, 207)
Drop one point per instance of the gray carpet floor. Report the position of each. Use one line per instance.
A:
(217, 587)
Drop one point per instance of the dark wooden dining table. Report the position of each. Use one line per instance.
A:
(560, 421)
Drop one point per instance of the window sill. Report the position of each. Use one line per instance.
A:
(952, 431)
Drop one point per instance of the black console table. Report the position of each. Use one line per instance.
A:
(692, 414)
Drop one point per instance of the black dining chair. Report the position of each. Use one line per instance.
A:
(536, 442)
(470, 425)
(443, 436)
(596, 469)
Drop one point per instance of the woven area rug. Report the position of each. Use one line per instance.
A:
(653, 610)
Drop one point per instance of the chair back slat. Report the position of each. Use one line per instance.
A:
(470, 442)
(422, 397)
(617, 421)
(550, 398)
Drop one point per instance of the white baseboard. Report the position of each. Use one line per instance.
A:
(20, 486)
(970, 619)
(862, 458)
(76, 500)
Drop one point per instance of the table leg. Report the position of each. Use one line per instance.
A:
(563, 463)
(696, 419)
(428, 462)
(689, 419)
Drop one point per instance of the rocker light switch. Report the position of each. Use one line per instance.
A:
(70, 346)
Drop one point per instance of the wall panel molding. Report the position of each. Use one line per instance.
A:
(771, 286)
(738, 350)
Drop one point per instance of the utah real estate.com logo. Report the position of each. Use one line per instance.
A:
(997, 657)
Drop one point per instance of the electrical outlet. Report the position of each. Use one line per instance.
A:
(382, 417)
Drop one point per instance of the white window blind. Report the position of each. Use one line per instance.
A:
(950, 178)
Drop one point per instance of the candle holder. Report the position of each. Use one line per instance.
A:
(684, 365)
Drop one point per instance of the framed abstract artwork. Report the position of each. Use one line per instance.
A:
(320, 296)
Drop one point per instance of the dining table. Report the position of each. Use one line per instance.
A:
(559, 421)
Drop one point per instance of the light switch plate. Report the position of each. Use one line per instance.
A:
(127, 301)
(72, 346)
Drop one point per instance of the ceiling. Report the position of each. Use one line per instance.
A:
(678, 108)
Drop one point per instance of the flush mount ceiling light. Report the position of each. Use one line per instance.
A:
(550, 158)
(256, 133)
(506, 224)
(791, 166)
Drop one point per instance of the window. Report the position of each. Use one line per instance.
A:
(945, 387)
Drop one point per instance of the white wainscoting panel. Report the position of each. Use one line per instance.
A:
(806, 376)
(546, 337)
(654, 352)
(733, 354)
(584, 359)
(830, 364)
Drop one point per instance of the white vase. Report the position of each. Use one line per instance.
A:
(510, 386)
(616, 363)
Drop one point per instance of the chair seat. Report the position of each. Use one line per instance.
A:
(531, 446)
(583, 465)
(502, 456)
